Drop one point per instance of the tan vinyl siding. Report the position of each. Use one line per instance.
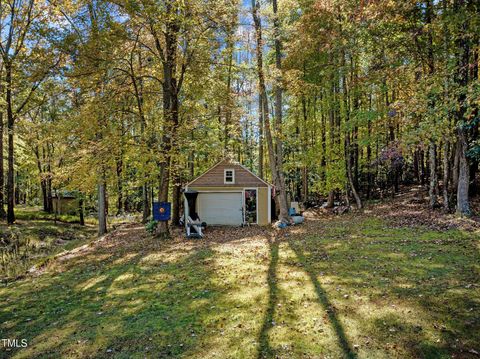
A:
(215, 177)
(213, 181)
(215, 189)
(262, 202)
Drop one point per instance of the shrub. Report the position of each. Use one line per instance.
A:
(151, 226)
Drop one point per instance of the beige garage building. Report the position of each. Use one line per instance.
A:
(230, 194)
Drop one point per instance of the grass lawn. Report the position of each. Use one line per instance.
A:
(347, 286)
(36, 238)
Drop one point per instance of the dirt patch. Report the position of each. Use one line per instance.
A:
(410, 208)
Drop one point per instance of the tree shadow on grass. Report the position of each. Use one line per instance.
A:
(170, 320)
(264, 349)
(57, 308)
(406, 337)
(325, 302)
(117, 305)
(427, 277)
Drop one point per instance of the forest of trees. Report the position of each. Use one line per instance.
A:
(125, 101)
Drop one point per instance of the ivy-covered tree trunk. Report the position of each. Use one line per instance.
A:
(170, 105)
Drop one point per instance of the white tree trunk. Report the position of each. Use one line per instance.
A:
(463, 206)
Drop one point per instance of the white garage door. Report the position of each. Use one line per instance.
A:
(220, 208)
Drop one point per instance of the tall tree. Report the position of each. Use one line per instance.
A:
(26, 66)
(3, 214)
(462, 78)
(274, 151)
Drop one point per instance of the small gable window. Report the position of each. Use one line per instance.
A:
(229, 176)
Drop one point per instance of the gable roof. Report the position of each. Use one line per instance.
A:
(214, 176)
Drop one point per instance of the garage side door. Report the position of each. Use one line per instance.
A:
(220, 208)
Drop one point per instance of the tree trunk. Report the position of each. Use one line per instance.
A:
(304, 183)
(473, 166)
(260, 138)
(145, 203)
(456, 160)
(463, 206)
(170, 108)
(304, 150)
(369, 152)
(57, 208)
(446, 171)
(138, 90)
(349, 172)
(432, 150)
(356, 165)
(43, 185)
(81, 211)
(228, 106)
(275, 157)
(119, 171)
(49, 192)
(102, 207)
(461, 78)
(43, 181)
(332, 134)
(391, 126)
(423, 170)
(191, 158)
(17, 189)
(278, 89)
(348, 147)
(162, 228)
(323, 161)
(331, 199)
(10, 127)
(416, 166)
(176, 201)
(3, 214)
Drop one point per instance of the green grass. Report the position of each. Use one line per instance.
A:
(35, 213)
(38, 239)
(342, 287)
(40, 236)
